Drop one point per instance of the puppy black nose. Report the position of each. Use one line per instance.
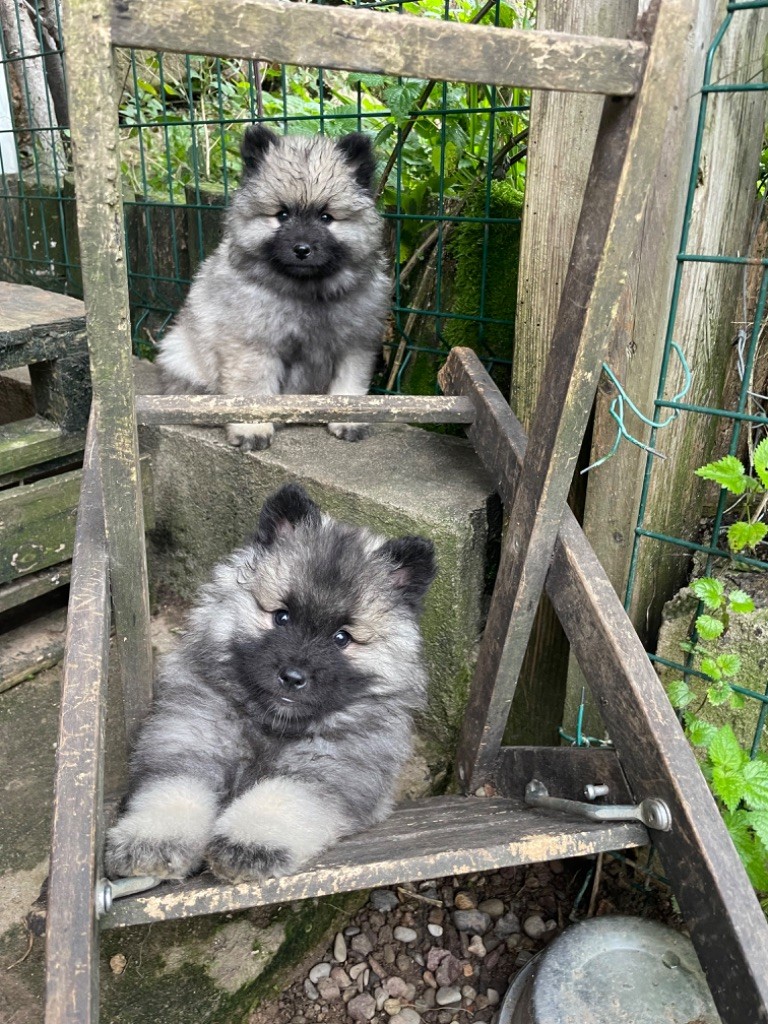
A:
(292, 678)
(302, 250)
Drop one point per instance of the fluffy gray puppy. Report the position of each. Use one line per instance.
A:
(295, 298)
(284, 718)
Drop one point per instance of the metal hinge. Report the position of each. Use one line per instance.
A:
(653, 813)
(108, 890)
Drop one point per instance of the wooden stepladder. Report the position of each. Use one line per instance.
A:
(652, 765)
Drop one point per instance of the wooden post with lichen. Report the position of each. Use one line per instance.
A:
(94, 122)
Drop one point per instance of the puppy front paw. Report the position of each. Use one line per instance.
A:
(349, 431)
(250, 436)
(131, 855)
(242, 862)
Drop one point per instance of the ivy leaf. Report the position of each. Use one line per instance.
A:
(755, 779)
(728, 786)
(728, 472)
(745, 535)
(729, 664)
(740, 601)
(725, 750)
(760, 461)
(710, 668)
(699, 732)
(710, 591)
(709, 628)
(759, 822)
(679, 693)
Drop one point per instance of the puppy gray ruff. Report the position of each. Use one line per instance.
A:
(284, 718)
(295, 298)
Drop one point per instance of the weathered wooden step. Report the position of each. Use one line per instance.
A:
(427, 838)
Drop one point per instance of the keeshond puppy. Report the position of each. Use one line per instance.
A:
(284, 718)
(295, 298)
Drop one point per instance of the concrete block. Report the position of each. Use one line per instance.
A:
(401, 480)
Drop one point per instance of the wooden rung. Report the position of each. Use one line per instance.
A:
(424, 839)
(215, 410)
(28, 442)
(355, 40)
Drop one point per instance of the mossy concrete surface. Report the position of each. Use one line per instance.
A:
(746, 636)
(209, 970)
(400, 480)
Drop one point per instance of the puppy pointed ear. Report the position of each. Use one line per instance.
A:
(358, 152)
(256, 142)
(283, 511)
(413, 567)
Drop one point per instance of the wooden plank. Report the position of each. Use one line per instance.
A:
(563, 127)
(37, 521)
(215, 410)
(565, 771)
(95, 148)
(728, 927)
(36, 584)
(71, 934)
(381, 44)
(28, 442)
(30, 315)
(443, 836)
(626, 154)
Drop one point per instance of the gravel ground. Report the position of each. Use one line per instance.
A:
(446, 950)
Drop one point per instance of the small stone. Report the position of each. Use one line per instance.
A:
(467, 970)
(396, 987)
(507, 925)
(310, 991)
(476, 946)
(389, 955)
(403, 963)
(480, 791)
(444, 1017)
(384, 900)
(429, 979)
(448, 971)
(464, 901)
(355, 971)
(381, 998)
(481, 1001)
(328, 990)
(513, 942)
(406, 1016)
(340, 976)
(523, 957)
(492, 996)
(410, 993)
(418, 958)
(117, 963)
(339, 948)
(392, 1006)
(362, 944)
(376, 967)
(430, 998)
(319, 971)
(347, 994)
(351, 931)
(376, 919)
(494, 908)
(385, 934)
(472, 921)
(405, 935)
(362, 1007)
(468, 992)
(534, 926)
(447, 996)
(435, 929)
(436, 915)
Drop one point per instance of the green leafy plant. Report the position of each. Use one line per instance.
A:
(729, 473)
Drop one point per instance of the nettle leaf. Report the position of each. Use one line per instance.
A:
(760, 461)
(736, 700)
(709, 628)
(745, 535)
(729, 664)
(755, 778)
(759, 822)
(710, 668)
(679, 693)
(711, 592)
(720, 694)
(728, 472)
(725, 750)
(400, 100)
(756, 863)
(728, 786)
(738, 824)
(699, 732)
(740, 601)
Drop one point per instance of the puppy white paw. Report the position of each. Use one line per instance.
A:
(129, 855)
(243, 862)
(250, 436)
(349, 431)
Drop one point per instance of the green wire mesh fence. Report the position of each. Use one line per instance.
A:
(451, 178)
(749, 413)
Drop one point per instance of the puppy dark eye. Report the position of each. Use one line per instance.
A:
(281, 617)
(326, 218)
(342, 639)
(282, 215)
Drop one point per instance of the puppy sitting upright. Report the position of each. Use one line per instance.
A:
(294, 299)
(284, 718)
